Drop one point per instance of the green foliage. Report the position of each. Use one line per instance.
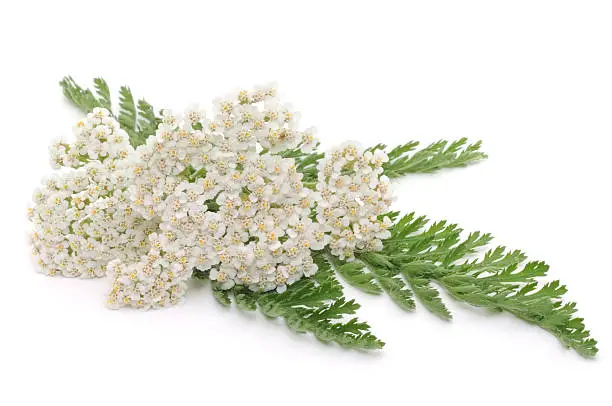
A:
(311, 305)
(137, 119)
(104, 97)
(222, 296)
(127, 114)
(429, 296)
(356, 274)
(375, 279)
(500, 280)
(394, 286)
(82, 98)
(200, 275)
(147, 119)
(404, 159)
(245, 299)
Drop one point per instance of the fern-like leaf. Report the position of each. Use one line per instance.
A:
(147, 120)
(128, 116)
(374, 278)
(356, 274)
(395, 287)
(82, 98)
(440, 154)
(104, 97)
(428, 296)
(222, 296)
(500, 280)
(314, 305)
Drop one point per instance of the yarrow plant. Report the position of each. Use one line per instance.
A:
(242, 197)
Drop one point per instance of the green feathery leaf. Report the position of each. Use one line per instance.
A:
(428, 296)
(438, 155)
(500, 280)
(128, 116)
(222, 296)
(245, 300)
(374, 279)
(84, 99)
(104, 97)
(356, 274)
(311, 305)
(147, 120)
(394, 286)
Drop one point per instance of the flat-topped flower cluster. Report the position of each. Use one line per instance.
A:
(214, 194)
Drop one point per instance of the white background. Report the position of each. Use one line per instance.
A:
(532, 79)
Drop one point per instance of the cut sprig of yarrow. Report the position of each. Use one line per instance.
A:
(408, 259)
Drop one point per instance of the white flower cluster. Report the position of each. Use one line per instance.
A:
(98, 138)
(157, 280)
(354, 194)
(211, 194)
(81, 219)
(223, 207)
